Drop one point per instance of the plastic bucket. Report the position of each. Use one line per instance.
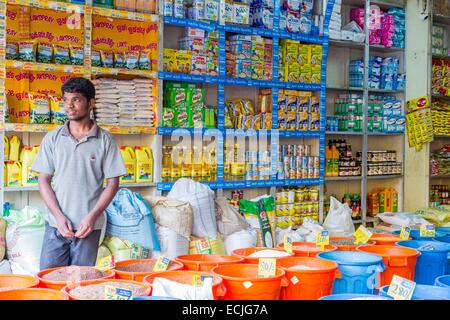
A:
(347, 247)
(71, 286)
(385, 239)
(245, 252)
(308, 249)
(206, 262)
(445, 230)
(359, 271)
(242, 282)
(186, 277)
(139, 276)
(58, 285)
(431, 263)
(424, 292)
(397, 260)
(445, 239)
(415, 235)
(15, 281)
(308, 284)
(442, 281)
(354, 296)
(33, 294)
(155, 298)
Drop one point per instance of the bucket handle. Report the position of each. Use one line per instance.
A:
(221, 290)
(284, 282)
(338, 274)
(398, 261)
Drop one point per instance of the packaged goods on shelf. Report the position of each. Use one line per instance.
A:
(249, 57)
(336, 21)
(246, 165)
(438, 40)
(439, 195)
(199, 164)
(144, 6)
(184, 107)
(296, 162)
(125, 102)
(419, 122)
(241, 113)
(440, 112)
(295, 204)
(440, 78)
(439, 215)
(382, 200)
(440, 161)
(382, 163)
(198, 53)
(298, 110)
(236, 195)
(441, 7)
(138, 163)
(340, 161)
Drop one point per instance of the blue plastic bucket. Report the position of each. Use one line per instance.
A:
(415, 235)
(445, 239)
(424, 292)
(443, 281)
(154, 298)
(359, 271)
(354, 296)
(445, 230)
(432, 263)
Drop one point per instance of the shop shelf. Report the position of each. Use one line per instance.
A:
(25, 127)
(167, 131)
(360, 46)
(388, 176)
(36, 188)
(381, 134)
(188, 23)
(36, 66)
(441, 137)
(173, 76)
(440, 56)
(20, 189)
(343, 133)
(343, 88)
(383, 4)
(440, 18)
(436, 96)
(299, 134)
(53, 5)
(352, 178)
(440, 177)
(371, 219)
(299, 37)
(357, 221)
(385, 91)
(122, 14)
(115, 71)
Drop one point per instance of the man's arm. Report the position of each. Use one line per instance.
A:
(107, 195)
(49, 197)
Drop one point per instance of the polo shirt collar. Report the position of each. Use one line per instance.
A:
(92, 133)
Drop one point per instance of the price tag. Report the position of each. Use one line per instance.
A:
(362, 235)
(267, 267)
(322, 239)
(113, 293)
(401, 288)
(197, 280)
(161, 264)
(287, 244)
(427, 230)
(404, 233)
(106, 263)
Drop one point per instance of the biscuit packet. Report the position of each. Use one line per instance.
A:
(39, 108)
(76, 55)
(62, 55)
(96, 59)
(27, 50)
(145, 60)
(132, 59)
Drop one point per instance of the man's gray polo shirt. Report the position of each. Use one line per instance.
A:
(79, 169)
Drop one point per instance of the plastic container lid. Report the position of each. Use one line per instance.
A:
(422, 245)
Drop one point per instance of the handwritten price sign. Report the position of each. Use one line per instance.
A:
(161, 264)
(404, 233)
(267, 267)
(427, 230)
(401, 288)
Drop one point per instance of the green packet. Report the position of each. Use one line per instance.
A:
(62, 55)
(262, 209)
(45, 53)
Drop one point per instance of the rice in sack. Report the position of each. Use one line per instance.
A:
(39, 108)
(74, 273)
(145, 60)
(12, 51)
(132, 59)
(119, 60)
(76, 55)
(27, 50)
(44, 53)
(62, 55)
(107, 59)
(97, 291)
(57, 113)
(96, 59)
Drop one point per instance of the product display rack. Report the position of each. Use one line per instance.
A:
(345, 51)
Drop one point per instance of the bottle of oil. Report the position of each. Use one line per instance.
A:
(167, 164)
(196, 163)
(177, 156)
(186, 166)
(227, 161)
(206, 165)
(213, 164)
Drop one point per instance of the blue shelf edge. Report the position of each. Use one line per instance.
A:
(165, 131)
(166, 186)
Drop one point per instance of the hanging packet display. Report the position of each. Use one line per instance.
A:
(96, 59)
(39, 108)
(62, 55)
(119, 60)
(44, 53)
(107, 59)
(76, 55)
(12, 51)
(132, 59)
(145, 60)
(57, 113)
(27, 51)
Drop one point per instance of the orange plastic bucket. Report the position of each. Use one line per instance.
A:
(72, 286)
(242, 282)
(15, 281)
(33, 294)
(186, 277)
(58, 285)
(245, 252)
(139, 276)
(347, 247)
(308, 249)
(399, 261)
(385, 239)
(206, 262)
(308, 284)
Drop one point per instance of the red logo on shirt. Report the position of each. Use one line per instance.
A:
(92, 158)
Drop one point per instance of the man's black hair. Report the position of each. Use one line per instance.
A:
(79, 85)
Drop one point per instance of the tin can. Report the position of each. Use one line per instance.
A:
(282, 150)
(278, 211)
(304, 208)
(300, 150)
(310, 173)
(284, 210)
(316, 217)
(300, 195)
(291, 210)
(309, 206)
(283, 197)
(316, 173)
(289, 150)
(292, 168)
(299, 173)
(316, 162)
(315, 207)
(291, 196)
(304, 162)
(298, 208)
(304, 173)
(310, 162)
(294, 150)
(280, 171)
(314, 195)
(307, 150)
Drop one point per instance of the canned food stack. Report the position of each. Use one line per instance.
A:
(439, 195)
(298, 110)
(293, 205)
(340, 161)
(257, 165)
(296, 162)
(382, 163)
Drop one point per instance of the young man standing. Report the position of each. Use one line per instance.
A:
(77, 158)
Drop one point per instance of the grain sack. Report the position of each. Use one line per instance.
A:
(229, 220)
(24, 237)
(201, 198)
(206, 245)
(173, 214)
(102, 252)
(124, 249)
(339, 219)
(241, 239)
(2, 238)
(129, 217)
(171, 243)
(5, 267)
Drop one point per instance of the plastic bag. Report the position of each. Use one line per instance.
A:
(339, 220)
(402, 218)
(172, 244)
(229, 220)
(24, 237)
(2, 238)
(123, 249)
(206, 245)
(293, 234)
(166, 288)
(241, 239)
(5, 267)
(201, 198)
(129, 217)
